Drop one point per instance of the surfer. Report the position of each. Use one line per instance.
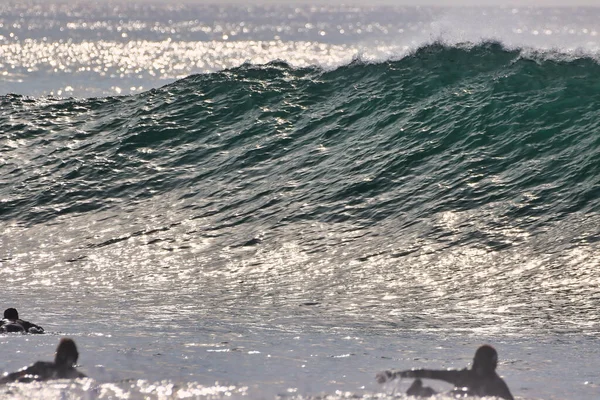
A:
(61, 368)
(12, 323)
(418, 390)
(480, 380)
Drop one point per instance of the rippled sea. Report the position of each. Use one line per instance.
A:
(279, 201)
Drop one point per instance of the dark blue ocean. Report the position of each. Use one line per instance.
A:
(280, 201)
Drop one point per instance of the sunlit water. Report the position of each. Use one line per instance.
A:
(241, 274)
(87, 49)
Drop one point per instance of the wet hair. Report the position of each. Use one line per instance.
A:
(11, 313)
(66, 353)
(485, 360)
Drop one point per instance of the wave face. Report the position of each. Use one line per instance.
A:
(445, 129)
(463, 180)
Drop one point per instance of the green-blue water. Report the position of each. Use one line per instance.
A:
(387, 147)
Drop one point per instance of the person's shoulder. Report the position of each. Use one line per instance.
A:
(10, 326)
(499, 388)
(42, 364)
(39, 368)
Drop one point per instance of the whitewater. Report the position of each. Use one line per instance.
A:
(280, 201)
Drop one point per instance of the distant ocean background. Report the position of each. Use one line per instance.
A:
(234, 201)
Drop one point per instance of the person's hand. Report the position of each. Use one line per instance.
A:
(384, 376)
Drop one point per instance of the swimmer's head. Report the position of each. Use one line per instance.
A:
(11, 313)
(485, 360)
(66, 353)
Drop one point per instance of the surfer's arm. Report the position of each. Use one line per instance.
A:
(450, 376)
(25, 374)
(31, 327)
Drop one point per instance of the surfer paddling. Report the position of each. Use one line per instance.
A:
(63, 366)
(12, 323)
(480, 380)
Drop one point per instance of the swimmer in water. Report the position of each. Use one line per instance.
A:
(61, 368)
(418, 390)
(480, 380)
(12, 323)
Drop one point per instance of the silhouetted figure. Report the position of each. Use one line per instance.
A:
(12, 323)
(418, 390)
(480, 380)
(61, 368)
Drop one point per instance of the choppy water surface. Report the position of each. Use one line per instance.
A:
(325, 193)
(86, 49)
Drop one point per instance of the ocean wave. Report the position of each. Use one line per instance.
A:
(474, 123)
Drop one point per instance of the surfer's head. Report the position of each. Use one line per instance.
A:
(485, 360)
(66, 353)
(11, 313)
(418, 390)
